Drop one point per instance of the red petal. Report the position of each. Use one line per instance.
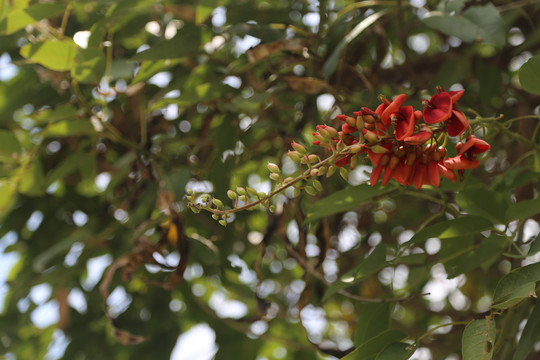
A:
(375, 175)
(387, 175)
(348, 129)
(433, 174)
(460, 162)
(385, 110)
(447, 173)
(474, 145)
(456, 95)
(405, 126)
(457, 123)
(342, 162)
(419, 138)
(439, 108)
(419, 174)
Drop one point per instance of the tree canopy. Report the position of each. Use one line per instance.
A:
(295, 174)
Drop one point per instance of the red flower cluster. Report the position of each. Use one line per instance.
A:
(403, 148)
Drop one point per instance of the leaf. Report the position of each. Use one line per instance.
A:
(8, 196)
(516, 283)
(488, 251)
(61, 112)
(21, 17)
(374, 345)
(476, 23)
(529, 75)
(149, 68)
(396, 351)
(479, 340)
(200, 93)
(373, 263)
(89, 66)
(307, 85)
(462, 226)
(374, 318)
(32, 180)
(262, 51)
(484, 202)
(74, 127)
(344, 200)
(523, 209)
(9, 146)
(53, 54)
(185, 43)
(530, 334)
(332, 62)
(535, 246)
(413, 259)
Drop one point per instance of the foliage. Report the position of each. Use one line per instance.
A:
(117, 115)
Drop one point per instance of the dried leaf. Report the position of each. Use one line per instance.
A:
(307, 85)
(263, 51)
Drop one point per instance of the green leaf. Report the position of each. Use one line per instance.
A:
(517, 284)
(199, 93)
(9, 146)
(413, 259)
(74, 127)
(53, 54)
(374, 318)
(477, 22)
(523, 209)
(449, 6)
(21, 17)
(373, 263)
(375, 345)
(462, 226)
(529, 75)
(8, 196)
(488, 251)
(396, 351)
(32, 180)
(61, 112)
(479, 340)
(344, 200)
(150, 68)
(89, 66)
(332, 62)
(535, 246)
(185, 43)
(530, 334)
(484, 202)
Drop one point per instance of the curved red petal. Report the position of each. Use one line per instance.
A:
(447, 173)
(386, 110)
(456, 95)
(474, 145)
(439, 108)
(418, 139)
(404, 127)
(348, 129)
(457, 123)
(433, 174)
(460, 162)
(419, 174)
(375, 175)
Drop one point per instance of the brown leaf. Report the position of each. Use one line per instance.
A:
(127, 338)
(263, 51)
(307, 85)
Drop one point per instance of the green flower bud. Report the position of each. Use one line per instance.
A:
(273, 168)
(274, 176)
(317, 185)
(331, 171)
(241, 191)
(223, 222)
(217, 202)
(378, 149)
(272, 208)
(322, 171)
(355, 148)
(344, 173)
(314, 172)
(295, 156)
(232, 195)
(261, 195)
(215, 216)
(310, 190)
(299, 147)
(251, 191)
(313, 158)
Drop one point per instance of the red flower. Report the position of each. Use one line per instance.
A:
(404, 122)
(457, 123)
(466, 158)
(385, 110)
(438, 109)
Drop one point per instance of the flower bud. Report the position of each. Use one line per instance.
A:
(223, 222)
(331, 170)
(394, 161)
(351, 121)
(310, 190)
(371, 137)
(232, 195)
(288, 179)
(355, 148)
(332, 131)
(261, 195)
(344, 174)
(324, 133)
(369, 119)
(321, 171)
(384, 160)
(215, 216)
(317, 185)
(241, 190)
(314, 172)
(313, 158)
(354, 162)
(295, 156)
(299, 147)
(273, 168)
(378, 149)
(359, 123)
(274, 176)
(217, 202)
(251, 191)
